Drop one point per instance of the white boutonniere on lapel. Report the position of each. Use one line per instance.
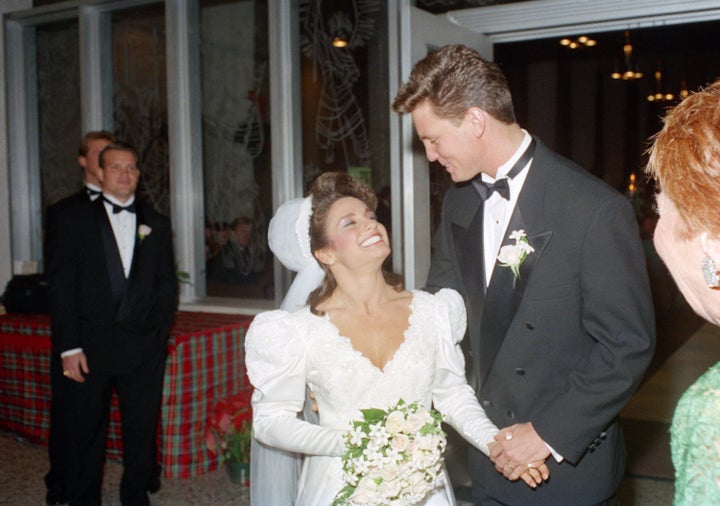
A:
(143, 232)
(513, 255)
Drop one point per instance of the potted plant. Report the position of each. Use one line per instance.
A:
(228, 433)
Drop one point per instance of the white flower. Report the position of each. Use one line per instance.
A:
(395, 422)
(391, 488)
(355, 436)
(414, 423)
(513, 255)
(143, 231)
(400, 442)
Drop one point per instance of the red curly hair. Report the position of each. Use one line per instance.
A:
(685, 160)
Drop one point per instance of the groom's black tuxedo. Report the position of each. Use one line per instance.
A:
(565, 346)
(122, 325)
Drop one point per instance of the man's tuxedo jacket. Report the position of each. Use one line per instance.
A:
(51, 218)
(566, 344)
(118, 322)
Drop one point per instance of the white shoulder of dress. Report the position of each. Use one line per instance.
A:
(448, 305)
(277, 332)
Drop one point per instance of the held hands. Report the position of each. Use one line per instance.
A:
(519, 452)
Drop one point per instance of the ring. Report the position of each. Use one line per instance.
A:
(66, 373)
(508, 436)
(531, 465)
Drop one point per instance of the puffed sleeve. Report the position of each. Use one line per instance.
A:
(452, 395)
(276, 364)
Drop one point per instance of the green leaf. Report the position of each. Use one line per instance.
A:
(373, 415)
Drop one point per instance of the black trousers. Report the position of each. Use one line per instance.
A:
(486, 500)
(59, 437)
(139, 394)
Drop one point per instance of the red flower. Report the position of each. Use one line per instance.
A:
(228, 430)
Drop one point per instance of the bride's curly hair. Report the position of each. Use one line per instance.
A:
(328, 188)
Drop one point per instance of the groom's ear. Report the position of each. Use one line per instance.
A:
(477, 120)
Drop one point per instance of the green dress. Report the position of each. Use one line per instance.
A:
(695, 442)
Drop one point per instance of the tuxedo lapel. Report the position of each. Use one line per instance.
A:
(501, 301)
(116, 273)
(504, 293)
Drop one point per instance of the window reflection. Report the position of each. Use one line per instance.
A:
(58, 120)
(236, 147)
(140, 95)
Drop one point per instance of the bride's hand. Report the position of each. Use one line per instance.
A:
(533, 474)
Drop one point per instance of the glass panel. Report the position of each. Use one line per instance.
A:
(140, 95)
(236, 147)
(58, 120)
(345, 110)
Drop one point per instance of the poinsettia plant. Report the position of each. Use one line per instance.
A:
(228, 429)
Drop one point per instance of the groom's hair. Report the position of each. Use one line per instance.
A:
(453, 79)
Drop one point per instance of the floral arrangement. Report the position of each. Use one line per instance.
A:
(513, 255)
(393, 456)
(228, 429)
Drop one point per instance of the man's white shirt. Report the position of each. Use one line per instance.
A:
(497, 211)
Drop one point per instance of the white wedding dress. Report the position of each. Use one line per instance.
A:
(285, 351)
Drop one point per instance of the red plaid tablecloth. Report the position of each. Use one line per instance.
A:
(205, 363)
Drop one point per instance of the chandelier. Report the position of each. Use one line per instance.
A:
(579, 43)
(629, 72)
(659, 95)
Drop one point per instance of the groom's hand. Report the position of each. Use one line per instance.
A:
(516, 447)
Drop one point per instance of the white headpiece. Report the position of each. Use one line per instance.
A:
(289, 240)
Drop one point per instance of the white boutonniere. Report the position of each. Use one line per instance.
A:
(513, 255)
(143, 232)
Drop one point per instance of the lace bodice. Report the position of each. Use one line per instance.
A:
(286, 351)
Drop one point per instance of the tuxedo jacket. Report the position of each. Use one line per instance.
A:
(566, 344)
(118, 322)
(51, 218)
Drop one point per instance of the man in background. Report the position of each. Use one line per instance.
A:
(112, 294)
(90, 147)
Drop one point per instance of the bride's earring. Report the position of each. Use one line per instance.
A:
(710, 272)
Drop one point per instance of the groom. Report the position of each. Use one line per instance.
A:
(561, 329)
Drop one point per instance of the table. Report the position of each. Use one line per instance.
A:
(205, 363)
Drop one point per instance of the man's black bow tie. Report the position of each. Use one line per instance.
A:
(486, 189)
(92, 193)
(502, 186)
(118, 209)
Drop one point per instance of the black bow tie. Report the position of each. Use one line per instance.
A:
(486, 189)
(92, 193)
(502, 186)
(118, 209)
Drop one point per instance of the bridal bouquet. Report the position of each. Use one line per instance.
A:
(393, 456)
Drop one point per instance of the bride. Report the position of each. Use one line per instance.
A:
(360, 342)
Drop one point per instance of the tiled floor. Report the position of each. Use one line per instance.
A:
(647, 417)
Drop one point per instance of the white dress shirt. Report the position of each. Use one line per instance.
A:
(124, 225)
(497, 210)
(94, 188)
